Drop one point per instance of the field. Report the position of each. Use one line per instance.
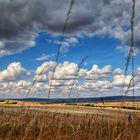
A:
(70, 70)
(67, 122)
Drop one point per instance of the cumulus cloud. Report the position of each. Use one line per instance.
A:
(66, 70)
(18, 89)
(89, 82)
(96, 72)
(13, 72)
(46, 66)
(99, 85)
(121, 80)
(65, 74)
(94, 80)
(118, 71)
(22, 20)
(14, 86)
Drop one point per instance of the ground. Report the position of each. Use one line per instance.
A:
(90, 121)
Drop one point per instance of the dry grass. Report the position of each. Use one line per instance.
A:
(111, 104)
(17, 124)
(97, 104)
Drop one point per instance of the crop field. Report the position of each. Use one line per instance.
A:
(67, 122)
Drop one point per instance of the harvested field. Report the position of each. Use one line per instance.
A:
(41, 123)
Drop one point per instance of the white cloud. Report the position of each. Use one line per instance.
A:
(118, 71)
(104, 84)
(83, 72)
(67, 42)
(13, 72)
(65, 74)
(138, 71)
(96, 72)
(137, 76)
(89, 82)
(97, 85)
(45, 57)
(46, 66)
(66, 70)
(121, 80)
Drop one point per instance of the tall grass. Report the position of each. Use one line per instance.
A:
(39, 125)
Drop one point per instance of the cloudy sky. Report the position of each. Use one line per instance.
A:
(30, 34)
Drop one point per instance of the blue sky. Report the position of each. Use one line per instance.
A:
(100, 50)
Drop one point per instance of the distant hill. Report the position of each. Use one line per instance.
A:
(72, 100)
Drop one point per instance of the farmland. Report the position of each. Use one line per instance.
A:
(67, 122)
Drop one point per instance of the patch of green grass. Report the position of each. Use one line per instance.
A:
(11, 102)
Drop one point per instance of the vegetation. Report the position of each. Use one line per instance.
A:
(71, 104)
(44, 103)
(88, 105)
(92, 105)
(18, 124)
(10, 102)
(127, 107)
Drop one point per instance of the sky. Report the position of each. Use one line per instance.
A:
(31, 33)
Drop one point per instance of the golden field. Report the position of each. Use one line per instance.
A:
(37, 121)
